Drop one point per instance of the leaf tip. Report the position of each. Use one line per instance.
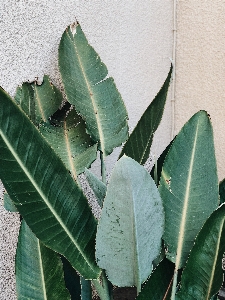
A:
(73, 27)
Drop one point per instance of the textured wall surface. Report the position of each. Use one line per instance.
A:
(200, 69)
(133, 38)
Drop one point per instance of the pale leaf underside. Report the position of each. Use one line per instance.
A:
(131, 225)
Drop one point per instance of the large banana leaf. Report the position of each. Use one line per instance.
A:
(43, 191)
(188, 186)
(203, 274)
(39, 270)
(131, 225)
(39, 102)
(95, 97)
(139, 143)
(67, 136)
(159, 284)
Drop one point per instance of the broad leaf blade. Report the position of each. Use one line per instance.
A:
(95, 97)
(159, 285)
(39, 271)
(188, 186)
(98, 187)
(39, 102)
(25, 98)
(203, 274)
(131, 225)
(139, 143)
(43, 191)
(67, 136)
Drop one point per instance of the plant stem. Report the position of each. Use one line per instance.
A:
(102, 287)
(174, 287)
(86, 290)
(156, 173)
(103, 168)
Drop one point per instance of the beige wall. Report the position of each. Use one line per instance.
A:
(200, 67)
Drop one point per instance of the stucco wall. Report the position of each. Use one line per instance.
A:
(200, 68)
(133, 38)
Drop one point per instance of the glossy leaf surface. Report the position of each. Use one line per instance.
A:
(67, 136)
(39, 102)
(39, 271)
(139, 143)
(188, 186)
(159, 284)
(95, 97)
(131, 225)
(43, 191)
(203, 274)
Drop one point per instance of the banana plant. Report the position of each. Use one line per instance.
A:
(152, 234)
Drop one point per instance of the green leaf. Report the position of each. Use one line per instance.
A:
(222, 191)
(203, 274)
(72, 280)
(139, 143)
(131, 225)
(25, 98)
(43, 191)
(39, 102)
(39, 271)
(188, 186)
(8, 203)
(95, 97)
(67, 136)
(98, 187)
(159, 285)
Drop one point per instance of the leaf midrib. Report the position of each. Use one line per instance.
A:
(42, 271)
(136, 269)
(149, 139)
(135, 235)
(185, 207)
(39, 104)
(101, 135)
(69, 154)
(33, 182)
